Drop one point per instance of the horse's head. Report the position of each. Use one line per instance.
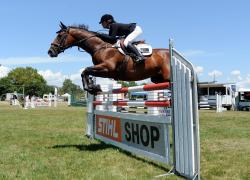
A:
(62, 41)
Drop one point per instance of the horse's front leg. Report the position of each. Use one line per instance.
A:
(99, 71)
(85, 80)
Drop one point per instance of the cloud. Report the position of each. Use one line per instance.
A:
(57, 78)
(53, 78)
(4, 71)
(199, 69)
(76, 76)
(241, 81)
(104, 81)
(244, 83)
(43, 60)
(215, 73)
(236, 75)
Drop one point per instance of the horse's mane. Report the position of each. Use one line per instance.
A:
(80, 26)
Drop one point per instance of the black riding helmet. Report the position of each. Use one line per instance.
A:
(107, 17)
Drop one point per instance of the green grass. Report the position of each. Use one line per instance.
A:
(49, 143)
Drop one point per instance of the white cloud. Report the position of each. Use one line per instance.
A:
(215, 73)
(43, 60)
(199, 69)
(53, 78)
(76, 76)
(57, 78)
(236, 75)
(244, 83)
(4, 71)
(104, 81)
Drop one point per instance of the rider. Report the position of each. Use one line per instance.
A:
(129, 31)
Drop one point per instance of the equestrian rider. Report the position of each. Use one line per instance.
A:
(129, 31)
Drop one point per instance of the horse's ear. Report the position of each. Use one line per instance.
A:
(62, 25)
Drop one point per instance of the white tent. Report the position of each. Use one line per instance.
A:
(66, 95)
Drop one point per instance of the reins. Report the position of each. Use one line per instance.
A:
(106, 45)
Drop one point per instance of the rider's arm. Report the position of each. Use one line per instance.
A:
(107, 38)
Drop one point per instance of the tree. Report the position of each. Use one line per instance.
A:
(5, 85)
(26, 79)
(71, 88)
(127, 84)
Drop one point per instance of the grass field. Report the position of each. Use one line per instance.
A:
(49, 143)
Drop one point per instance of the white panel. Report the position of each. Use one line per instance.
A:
(185, 131)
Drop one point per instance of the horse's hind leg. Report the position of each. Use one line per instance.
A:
(163, 76)
(157, 79)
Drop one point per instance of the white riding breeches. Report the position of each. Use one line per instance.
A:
(134, 34)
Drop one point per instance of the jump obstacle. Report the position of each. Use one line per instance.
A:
(148, 135)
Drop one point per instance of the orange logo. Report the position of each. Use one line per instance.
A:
(109, 127)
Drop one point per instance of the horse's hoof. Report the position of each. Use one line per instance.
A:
(98, 88)
(94, 89)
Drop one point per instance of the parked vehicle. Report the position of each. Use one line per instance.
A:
(243, 100)
(208, 92)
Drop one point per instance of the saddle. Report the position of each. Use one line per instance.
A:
(143, 48)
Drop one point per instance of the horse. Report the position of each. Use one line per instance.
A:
(108, 62)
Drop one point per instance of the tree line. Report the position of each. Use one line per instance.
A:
(28, 81)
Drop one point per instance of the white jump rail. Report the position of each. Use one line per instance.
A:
(149, 135)
(185, 116)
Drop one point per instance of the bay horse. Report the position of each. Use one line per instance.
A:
(108, 61)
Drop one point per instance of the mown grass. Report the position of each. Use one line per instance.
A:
(49, 143)
(225, 145)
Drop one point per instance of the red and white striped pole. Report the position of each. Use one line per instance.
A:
(147, 87)
(134, 103)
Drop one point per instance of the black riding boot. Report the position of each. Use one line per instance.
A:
(139, 57)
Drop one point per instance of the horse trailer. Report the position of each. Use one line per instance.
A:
(209, 90)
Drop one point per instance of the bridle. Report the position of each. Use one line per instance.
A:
(60, 46)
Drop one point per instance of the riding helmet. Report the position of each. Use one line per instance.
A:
(106, 17)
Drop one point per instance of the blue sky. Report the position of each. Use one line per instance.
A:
(213, 35)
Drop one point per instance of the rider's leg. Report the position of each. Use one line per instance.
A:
(128, 43)
(134, 50)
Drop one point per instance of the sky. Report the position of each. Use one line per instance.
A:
(213, 35)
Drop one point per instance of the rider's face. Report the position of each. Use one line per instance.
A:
(105, 25)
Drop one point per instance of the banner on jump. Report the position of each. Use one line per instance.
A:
(143, 135)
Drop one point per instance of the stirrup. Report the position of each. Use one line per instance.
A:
(139, 59)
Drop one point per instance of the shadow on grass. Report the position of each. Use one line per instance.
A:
(83, 147)
(159, 166)
(103, 146)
